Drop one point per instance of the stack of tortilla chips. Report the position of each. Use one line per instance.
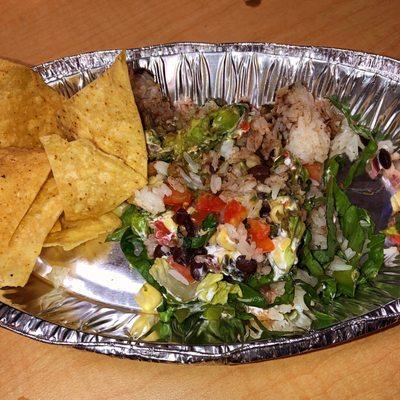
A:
(59, 192)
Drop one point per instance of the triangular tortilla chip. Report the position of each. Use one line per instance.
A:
(27, 106)
(105, 112)
(18, 260)
(91, 183)
(75, 233)
(22, 174)
(56, 227)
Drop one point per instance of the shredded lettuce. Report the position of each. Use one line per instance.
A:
(213, 290)
(164, 275)
(358, 230)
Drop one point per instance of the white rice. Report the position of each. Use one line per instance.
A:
(193, 166)
(318, 228)
(161, 167)
(227, 149)
(308, 137)
(280, 169)
(192, 180)
(252, 161)
(309, 141)
(215, 183)
(346, 142)
(214, 159)
(276, 183)
(252, 203)
(263, 188)
(197, 182)
(151, 198)
(259, 128)
(176, 184)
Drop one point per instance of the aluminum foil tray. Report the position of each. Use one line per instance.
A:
(85, 298)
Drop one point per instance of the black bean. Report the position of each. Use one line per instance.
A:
(230, 279)
(198, 270)
(261, 195)
(179, 255)
(260, 172)
(260, 154)
(384, 158)
(192, 253)
(273, 230)
(272, 155)
(158, 252)
(265, 210)
(248, 267)
(364, 140)
(182, 218)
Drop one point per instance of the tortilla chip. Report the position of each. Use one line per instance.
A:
(105, 112)
(27, 106)
(90, 182)
(22, 174)
(75, 233)
(18, 260)
(56, 227)
(96, 251)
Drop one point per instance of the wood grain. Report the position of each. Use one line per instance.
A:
(366, 369)
(38, 30)
(34, 31)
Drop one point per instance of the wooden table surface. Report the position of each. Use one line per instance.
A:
(34, 31)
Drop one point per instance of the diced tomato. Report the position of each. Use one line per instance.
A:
(395, 239)
(245, 126)
(234, 213)
(259, 233)
(315, 170)
(210, 202)
(184, 271)
(179, 199)
(199, 216)
(162, 233)
(207, 203)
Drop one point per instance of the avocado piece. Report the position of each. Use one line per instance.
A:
(203, 134)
